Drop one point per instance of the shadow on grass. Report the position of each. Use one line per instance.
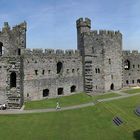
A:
(136, 134)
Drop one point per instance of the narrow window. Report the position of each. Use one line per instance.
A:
(49, 71)
(109, 61)
(138, 66)
(19, 51)
(133, 66)
(98, 70)
(43, 72)
(36, 72)
(13, 80)
(1, 48)
(111, 76)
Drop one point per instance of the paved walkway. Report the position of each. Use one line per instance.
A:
(21, 111)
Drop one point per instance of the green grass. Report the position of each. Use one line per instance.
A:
(64, 101)
(131, 91)
(74, 99)
(90, 123)
(104, 96)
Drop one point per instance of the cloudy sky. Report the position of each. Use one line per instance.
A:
(51, 23)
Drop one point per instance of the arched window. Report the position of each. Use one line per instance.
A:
(126, 64)
(13, 78)
(59, 67)
(112, 87)
(73, 88)
(1, 48)
(45, 92)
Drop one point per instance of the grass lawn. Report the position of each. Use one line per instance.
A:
(131, 91)
(74, 99)
(104, 96)
(90, 123)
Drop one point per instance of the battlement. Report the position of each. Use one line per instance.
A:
(133, 52)
(51, 52)
(83, 22)
(105, 33)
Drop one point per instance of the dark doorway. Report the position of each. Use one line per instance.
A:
(1, 45)
(73, 88)
(45, 92)
(13, 80)
(112, 87)
(60, 91)
(59, 67)
(138, 81)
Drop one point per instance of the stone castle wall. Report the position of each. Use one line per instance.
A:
(40, 70)
(131, 68)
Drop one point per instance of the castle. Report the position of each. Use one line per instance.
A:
(98, 65)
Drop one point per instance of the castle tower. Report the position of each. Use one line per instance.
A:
(83, 25)
(101, 57)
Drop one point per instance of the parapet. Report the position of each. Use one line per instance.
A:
(51, 53)
(105, 33)
(83, 22)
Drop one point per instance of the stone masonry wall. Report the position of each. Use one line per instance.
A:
(45, 64)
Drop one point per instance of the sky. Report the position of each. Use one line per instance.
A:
(51, 23)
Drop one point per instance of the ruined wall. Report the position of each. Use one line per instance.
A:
(12, 40)
(11, 81)
(131, 68)
(40, 70)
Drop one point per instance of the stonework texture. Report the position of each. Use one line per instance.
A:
(98, 65)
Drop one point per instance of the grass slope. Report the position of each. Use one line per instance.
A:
(131, 91)
(74, 99)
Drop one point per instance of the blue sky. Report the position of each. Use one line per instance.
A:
(51, 23)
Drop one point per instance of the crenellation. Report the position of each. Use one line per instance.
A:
(59, 52)
(37, 51)
(83, 22)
